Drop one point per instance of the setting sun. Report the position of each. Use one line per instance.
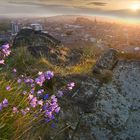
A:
(135, 7)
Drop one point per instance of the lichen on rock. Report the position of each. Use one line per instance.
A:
(110, 111)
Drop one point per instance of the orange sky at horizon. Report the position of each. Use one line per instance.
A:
(124, 9)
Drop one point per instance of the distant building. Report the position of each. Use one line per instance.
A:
(26, 27)
(15, 28)
(36, 27)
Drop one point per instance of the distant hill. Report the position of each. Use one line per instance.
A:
(85, 21)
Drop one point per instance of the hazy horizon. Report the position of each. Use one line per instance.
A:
(120, 9)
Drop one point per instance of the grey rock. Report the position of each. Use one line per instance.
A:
(109, 111)
(115, 113)
(106, 62)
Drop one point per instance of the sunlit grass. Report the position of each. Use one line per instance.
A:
(29, 65)
(7, 119)
(17, 126)
(20, 127)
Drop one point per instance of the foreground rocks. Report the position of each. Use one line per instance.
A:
(105, 111)
(99, 110)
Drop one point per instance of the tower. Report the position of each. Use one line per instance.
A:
(14, 27)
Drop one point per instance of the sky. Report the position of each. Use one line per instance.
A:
(123, 9)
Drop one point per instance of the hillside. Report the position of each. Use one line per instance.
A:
(104, 104)
(69, 83)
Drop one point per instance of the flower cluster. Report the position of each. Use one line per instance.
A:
(66, 89)
(23, 111)
(51, 108)
(39, 101)
(43, 77)
(4, 52)
(3, 104)
(71, 85)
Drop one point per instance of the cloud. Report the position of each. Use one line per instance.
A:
(30, 8)
(97, 3)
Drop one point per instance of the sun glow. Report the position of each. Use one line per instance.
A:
(135, 7)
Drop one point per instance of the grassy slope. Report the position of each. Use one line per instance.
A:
(12, 127)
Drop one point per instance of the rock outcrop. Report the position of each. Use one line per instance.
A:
(106, 111)
(106, 62)
(30, 37)
(40, 43)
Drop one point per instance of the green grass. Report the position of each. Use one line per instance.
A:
(14, 127)
(29, 65)
(7, 119)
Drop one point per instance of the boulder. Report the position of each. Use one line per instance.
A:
(106, 62)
